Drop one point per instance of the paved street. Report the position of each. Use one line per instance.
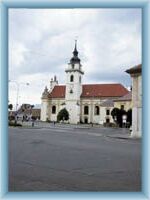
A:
(73, 158)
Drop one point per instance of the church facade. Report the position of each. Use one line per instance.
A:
(86, 103)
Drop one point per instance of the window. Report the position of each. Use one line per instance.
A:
(86, 110)
(71, 91)
(85, 120)
(107, 112)
(72, 66)
(71, 78)
(107, 120)
(53, 109)
(122, 107)
(79, 79)
(96, 110)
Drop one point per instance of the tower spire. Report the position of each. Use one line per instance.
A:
(75, 58)
(75, 52)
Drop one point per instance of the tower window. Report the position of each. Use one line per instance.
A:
(71, 91)
(53, 109)
(79, 79)
(71, 78)
(72, 66)
(96, 110)
(122, 107)
(107, 112)
(86, 110)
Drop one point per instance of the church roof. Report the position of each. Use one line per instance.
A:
(58, 91)
(92, 90)
(108, 103)
(103, 90)
(127, 97)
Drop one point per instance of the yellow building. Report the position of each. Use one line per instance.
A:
(124, 102)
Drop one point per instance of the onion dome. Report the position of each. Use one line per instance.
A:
(75, 58)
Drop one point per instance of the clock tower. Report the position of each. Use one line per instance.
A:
(74, 75)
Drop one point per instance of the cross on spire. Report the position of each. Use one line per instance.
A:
(75, 52)
(75, 58)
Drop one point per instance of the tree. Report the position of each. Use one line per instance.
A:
(118, 113)
(115, 112)
(10, 117)
(63, 115)
(129, 116)
(10, 106)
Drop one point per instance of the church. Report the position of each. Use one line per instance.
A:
(85, 103)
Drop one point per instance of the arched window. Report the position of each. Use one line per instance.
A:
(71, 78)
(72, 66)
(86, 110)
(107, 112)
(96, 110)
(53, 109)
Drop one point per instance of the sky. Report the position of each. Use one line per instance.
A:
(41, 42)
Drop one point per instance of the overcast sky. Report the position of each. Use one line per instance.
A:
(41, 42)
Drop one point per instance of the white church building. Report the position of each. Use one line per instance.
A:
(86, 103)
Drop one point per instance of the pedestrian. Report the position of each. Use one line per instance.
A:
(32, 122)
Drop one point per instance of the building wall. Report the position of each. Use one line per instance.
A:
(59, 103)
(76, 110)
(75, 86)
(137, 106)
(92, 117)
(73, 93)
(104, 116)
(127, 104)
(45, 114)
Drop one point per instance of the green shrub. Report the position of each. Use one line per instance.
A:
(11, 117)
(63, 115)
(14, 124)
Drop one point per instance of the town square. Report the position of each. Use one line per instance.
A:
(58, 157)
(75, 100)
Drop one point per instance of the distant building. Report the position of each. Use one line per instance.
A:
(136, 75)
(124, 102)
(106, 108)
(27, 112)
(86, 103)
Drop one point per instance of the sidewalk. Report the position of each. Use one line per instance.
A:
(40, 124)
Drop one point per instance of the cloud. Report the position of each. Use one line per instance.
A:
(41, 42)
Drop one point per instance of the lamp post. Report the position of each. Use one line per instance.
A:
(18, 88)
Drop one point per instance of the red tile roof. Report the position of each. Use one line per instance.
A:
(58, 92)
(104, 90)
(93, 90)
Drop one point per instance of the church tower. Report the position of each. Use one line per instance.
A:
(74, 87)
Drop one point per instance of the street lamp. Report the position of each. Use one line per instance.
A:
(18, 87)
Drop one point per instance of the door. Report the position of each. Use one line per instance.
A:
(85, 120)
